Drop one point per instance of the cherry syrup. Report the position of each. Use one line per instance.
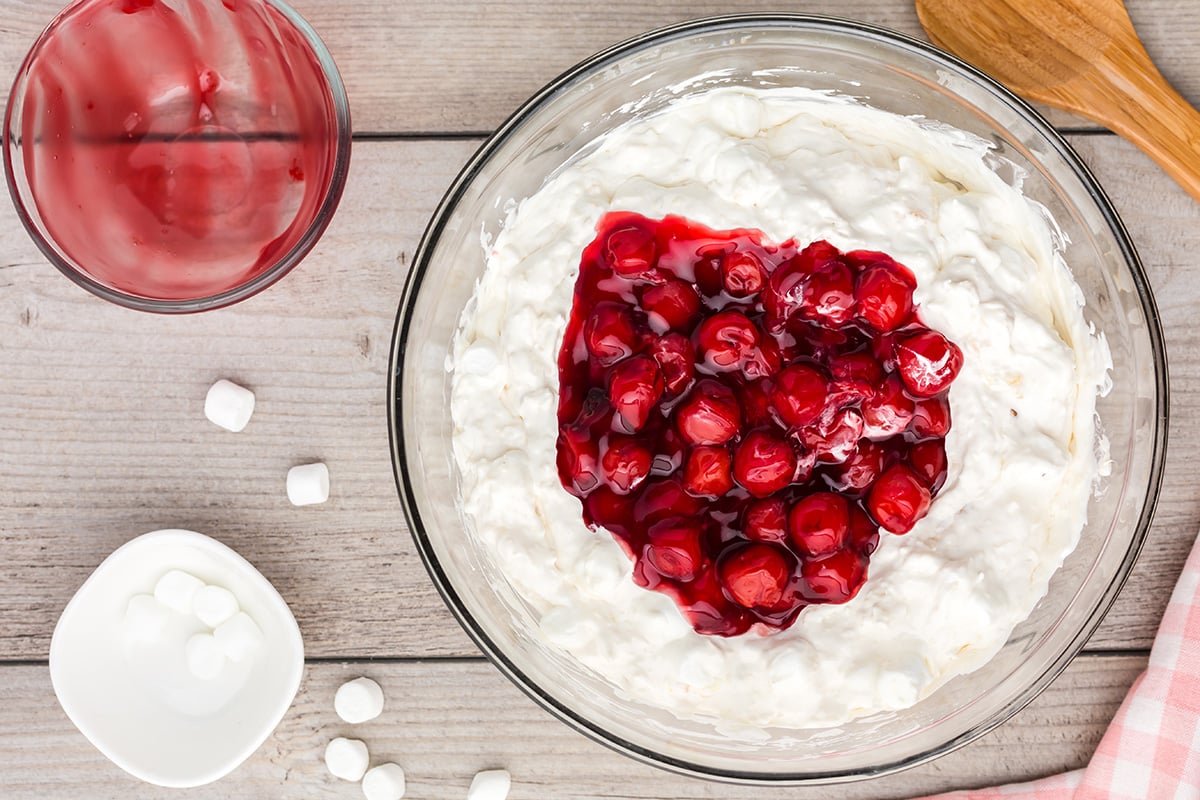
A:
(744, 417)
(176, 149)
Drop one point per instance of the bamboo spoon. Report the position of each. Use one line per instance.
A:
(1080, 55)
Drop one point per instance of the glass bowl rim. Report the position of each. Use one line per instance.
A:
(421, 264)
(285, 264)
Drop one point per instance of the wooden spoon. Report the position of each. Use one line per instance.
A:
(1080, 55)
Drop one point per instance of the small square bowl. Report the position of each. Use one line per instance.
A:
(137, 702)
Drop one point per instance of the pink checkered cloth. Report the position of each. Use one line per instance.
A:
(1151, 751)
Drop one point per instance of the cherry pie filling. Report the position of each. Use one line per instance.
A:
(743, 417)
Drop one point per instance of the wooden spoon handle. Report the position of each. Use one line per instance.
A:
(1144, 108)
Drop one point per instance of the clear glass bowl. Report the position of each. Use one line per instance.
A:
(176, 156)
(894, 73)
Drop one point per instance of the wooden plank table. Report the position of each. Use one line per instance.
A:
(102, 435)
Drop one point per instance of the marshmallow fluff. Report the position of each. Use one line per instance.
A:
(939, 601)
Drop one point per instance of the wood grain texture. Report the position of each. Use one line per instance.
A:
(445, 722)
(102, 434)
(460, 65)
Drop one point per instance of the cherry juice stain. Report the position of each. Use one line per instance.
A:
(176, 148)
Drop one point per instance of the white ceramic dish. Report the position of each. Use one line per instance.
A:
(137, 702)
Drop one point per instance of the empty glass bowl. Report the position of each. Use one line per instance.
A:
(896, 74)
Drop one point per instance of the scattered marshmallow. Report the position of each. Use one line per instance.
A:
(385, 782)
(146, 618)
(213, 605)
(229, 405)
(176, 589)
(358, 700)
(492, 784)
(238, 636)
(346, 758)
(308, 484)
(205, 659)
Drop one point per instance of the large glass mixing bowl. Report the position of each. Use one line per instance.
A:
(896, 74)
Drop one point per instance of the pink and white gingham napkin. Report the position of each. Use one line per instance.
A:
(1151, 751)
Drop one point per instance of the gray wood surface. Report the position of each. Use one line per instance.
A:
(445, 721)
(462, 65)
(102, 434)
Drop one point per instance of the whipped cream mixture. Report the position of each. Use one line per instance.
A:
(940, 600)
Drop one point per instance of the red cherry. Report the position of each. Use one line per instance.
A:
(660, 499)
(799, 394)
(834, 578)
(763, 361)
(609, 333)
(709, 415)
(706, 473)
(861, 367)
(928, 362)
(898, 499)
(861, 259)
(676, 359)
(629, 250)
(833, 440)
(708, 609)
(928, 460)
(707, 269)
(756, 404)
(725, 339)
(674, 549)
(763, 463)
(605, 507)
(888, 411)
(785, 289)
(854, 378)
(634, 388)
(594, 410)
(755, 575)
(626, 463)
(816, 255)
(861, 469)
(787, 284)
(742, 274)
(671, 305)
(864, 534)
(766, 520)
(884, 296)
(931, 418)
(828, 294)
(819, 523)
(578, 459)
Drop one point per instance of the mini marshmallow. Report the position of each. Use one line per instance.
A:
(229, 405)
(204, 657)
(385, 782)
(146, 618)
(176, 589)
(308, 484)
(358, 700)
(238, 636)
(213, 605)
(492, 784)
(346, 758)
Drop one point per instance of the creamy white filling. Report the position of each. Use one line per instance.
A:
(939, 601)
